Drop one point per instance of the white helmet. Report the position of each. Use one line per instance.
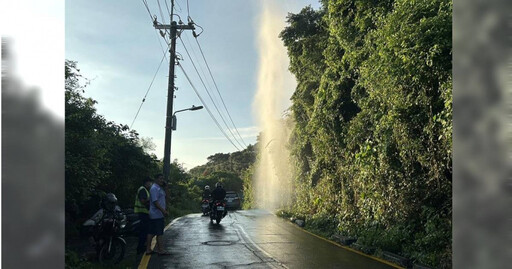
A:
(206, 187)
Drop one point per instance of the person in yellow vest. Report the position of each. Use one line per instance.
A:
(142, 208)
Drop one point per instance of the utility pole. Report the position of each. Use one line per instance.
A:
(173, 27)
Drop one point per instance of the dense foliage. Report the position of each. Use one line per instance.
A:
(227, 168)
(371, 142)
(101, 156)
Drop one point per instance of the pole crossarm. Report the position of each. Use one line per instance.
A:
(175, 26)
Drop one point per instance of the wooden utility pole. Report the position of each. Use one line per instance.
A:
(173, 27)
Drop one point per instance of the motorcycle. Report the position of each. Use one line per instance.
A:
(105, 232)
(132, 223)
(205, 206)
(218, 211)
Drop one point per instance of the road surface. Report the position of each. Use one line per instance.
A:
(251, 239)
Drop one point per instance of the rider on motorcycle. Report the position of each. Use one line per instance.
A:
(206, 201)
(218, 194)
(109, 204)
(206, 193)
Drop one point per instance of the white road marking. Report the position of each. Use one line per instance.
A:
(253, 244)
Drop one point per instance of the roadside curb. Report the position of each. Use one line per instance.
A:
(145, 258)
(341, 246)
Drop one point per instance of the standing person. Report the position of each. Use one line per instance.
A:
(142, 208)
(157, 213)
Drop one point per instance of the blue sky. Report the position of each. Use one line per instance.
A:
(116, 46)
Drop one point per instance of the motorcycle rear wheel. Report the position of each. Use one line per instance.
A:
(219, 217)
(116, 253)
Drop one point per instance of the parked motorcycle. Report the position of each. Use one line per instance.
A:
(205, 206)
(132, 223)
(218, 211)
(105, 231)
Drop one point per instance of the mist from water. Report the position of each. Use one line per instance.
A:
(272, 178)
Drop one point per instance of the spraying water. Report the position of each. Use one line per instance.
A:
(272, 179)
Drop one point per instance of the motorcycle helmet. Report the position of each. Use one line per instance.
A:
(218, 184)
(110, 202)
(206, 187)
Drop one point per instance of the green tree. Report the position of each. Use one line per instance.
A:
(371, 142)
(101, 156)
(84, 152)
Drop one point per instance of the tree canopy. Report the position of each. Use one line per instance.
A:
(226, 168)
(372, 139)
(101, 156)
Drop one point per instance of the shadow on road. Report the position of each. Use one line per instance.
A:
(216, 227)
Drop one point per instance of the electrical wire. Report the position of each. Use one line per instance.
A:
(218, 92)
(162, 47)
(179, 6)
(149, 88)
(188, 10)
(208, 92)
(147, 8)
(161, 12)
(206, 107)
(153, 20)
(164, 56)
(168, 10)
(217, 88)
(200, 66)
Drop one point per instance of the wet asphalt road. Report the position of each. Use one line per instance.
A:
(251, 239)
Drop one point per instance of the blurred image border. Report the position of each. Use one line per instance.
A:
(482, 184)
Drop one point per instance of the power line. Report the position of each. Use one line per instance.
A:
(217, 88)
(147, 8)
(188, 10)
(179, 6)
(149, 88)
(167, 6)
(153, 19)
(161, 13)
(164, 56)
(206, 107)
(168, 10)
(160, 43)
(208, 92)
(200, 66)
(209, 95)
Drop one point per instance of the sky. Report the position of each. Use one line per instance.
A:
(118, 49)
(35, 30)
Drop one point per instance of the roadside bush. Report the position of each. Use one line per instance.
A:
(324, 225)
(284, 214)
(434, 243)
(74, 261)
(248, 198)
(391, 239)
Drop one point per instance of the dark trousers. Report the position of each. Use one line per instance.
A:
(143, 232)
